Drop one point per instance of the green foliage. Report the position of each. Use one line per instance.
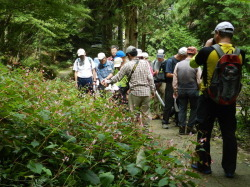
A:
(51, 137)
(171, 39)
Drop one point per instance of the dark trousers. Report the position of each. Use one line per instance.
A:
(169, 104)
(85, 84)
(186, 96)
(207, 112)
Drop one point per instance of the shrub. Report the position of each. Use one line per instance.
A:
(51, 137)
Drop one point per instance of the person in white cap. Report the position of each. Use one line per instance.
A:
(158, 67)
(104, 69)
(141, 83)
(186, 81)
(208, 110)
(85, 74)
(169, 100)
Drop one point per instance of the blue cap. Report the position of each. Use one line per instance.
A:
(120, 54)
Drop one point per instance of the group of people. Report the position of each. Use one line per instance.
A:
(177, 81)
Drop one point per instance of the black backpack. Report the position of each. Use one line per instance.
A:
(225, 84)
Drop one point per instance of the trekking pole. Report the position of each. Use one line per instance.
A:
(159, 97)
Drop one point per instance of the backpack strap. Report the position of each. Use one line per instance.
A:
(237, 51)
(218, 50)
(137, 61)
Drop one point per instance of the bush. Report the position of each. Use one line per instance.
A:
(51, 137)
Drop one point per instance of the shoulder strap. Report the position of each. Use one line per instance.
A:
(90, 61)
(218, 50)
(137, 61)
(237, 51)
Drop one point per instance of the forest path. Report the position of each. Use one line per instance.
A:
(217, 178)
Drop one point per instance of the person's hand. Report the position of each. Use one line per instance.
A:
(105, 82)
(76, 85)
(156, 72)
(209, 42)
(94, 82)
(153, 94)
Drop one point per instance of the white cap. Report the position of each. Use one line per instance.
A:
(160, 51)
(117, 62)
(81, 52)
(224, 27)
(101, 56)
(145, 55)
(139, 52)
(182, 51)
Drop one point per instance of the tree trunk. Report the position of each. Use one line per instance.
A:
(131, 28)
(143, 42)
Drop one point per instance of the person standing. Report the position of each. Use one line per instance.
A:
(104, 69)
(141, 83)
(186, 81)
(169, 100)
(158, 66)
(85, 73)
(208, 110)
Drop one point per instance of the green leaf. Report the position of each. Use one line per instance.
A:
(35, 167)
(160, 171)
(192, 174)
(166, 152)
(47, 171)
(101, 137)
(91, 177)
(141, 159)
(106, 179)
(163, 182)
(133, 170)
(34, 143)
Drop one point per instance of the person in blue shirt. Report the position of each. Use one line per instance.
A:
(104, 70)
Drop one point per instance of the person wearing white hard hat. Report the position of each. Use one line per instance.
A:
(85, 74)
(104, 69)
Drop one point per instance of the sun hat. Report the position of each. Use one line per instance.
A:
(145, 54)
(81, 52)
(101, 56)
(182, 51)
(139, 52)
(117, 62)
(224, 26)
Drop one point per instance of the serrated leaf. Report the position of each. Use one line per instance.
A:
(35, 167)
(163, 182)
(106, 179)
(133, 170)
(34, 143)
(192, 174)
(91, 177)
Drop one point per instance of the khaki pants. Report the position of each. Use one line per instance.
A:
(141, 103)
(157, 106)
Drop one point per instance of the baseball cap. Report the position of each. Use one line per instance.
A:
(182, 51)
(191, 50)
(120, 54)
(139, 52)
(131, 49)
(117, 62)
(81, 52)
(160, 51)
(224, 26)
(145, 54)
(101, 56)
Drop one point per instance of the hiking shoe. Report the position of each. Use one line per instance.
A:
(165, 126)
(191, 130)
(182, 130)
(205, 170)
(229, 174)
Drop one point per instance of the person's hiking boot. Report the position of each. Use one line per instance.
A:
(165, 124)
(191, 130)
(204, 169)
(182, 130)
(156, 116)
(229, 174)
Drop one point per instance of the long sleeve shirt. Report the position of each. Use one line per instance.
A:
(141, 81)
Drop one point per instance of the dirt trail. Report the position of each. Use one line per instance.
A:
(217, 178)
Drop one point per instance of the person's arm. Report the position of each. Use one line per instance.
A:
(168, 67)
(151, 83)
(76, 78)
(94, 75)
(198, 76)
(123, 71)
(175, 80)
(75, 68)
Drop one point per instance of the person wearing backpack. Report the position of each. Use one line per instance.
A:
(160, 82)
(221, 75)
(85, 73)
